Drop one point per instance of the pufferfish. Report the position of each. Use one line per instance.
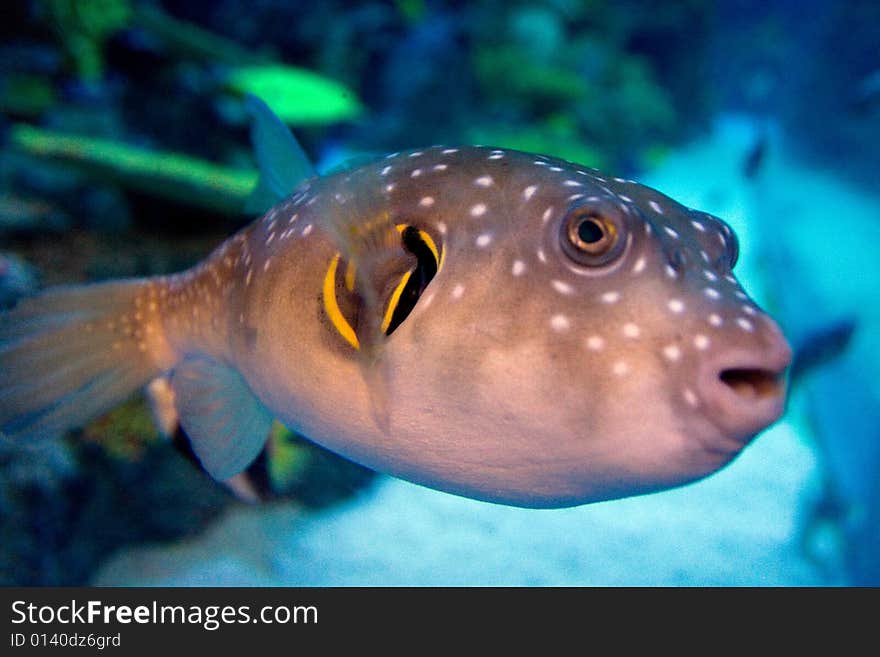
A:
(496, 324)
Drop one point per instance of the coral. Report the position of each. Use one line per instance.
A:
(125, 432)
(296, 95)
(554, 70)
(33, 476)
(298, 469)
(189, 41)
(287, 458)
(26, 94)
(18, 214)
(83, 26)
(170, 175)
(509, 72)
(557, 136)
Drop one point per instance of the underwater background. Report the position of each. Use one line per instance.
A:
(125, 152)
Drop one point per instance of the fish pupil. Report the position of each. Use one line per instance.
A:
(590, 232)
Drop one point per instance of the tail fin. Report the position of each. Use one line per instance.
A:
(72, 353)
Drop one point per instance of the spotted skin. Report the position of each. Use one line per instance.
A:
(521, 376)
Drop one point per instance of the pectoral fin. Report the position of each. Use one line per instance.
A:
(226, 424)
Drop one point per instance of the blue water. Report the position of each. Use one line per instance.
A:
(764, 113)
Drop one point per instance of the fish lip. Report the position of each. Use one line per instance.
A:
(761, 373)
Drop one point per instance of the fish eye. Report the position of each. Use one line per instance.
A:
(592, 236)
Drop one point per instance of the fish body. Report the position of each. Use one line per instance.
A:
(496, 324)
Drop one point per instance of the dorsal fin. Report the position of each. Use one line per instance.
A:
(282, 162)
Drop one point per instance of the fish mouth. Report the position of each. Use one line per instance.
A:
(745, 390)
(752, 384)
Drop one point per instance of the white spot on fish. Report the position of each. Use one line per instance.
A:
(458, 291)
(745, 324)
(624, 198)
(699, 226)
(529, 191)
(610, 297)
(556, 169)
(656, 207)
(631, 330)
(712, 293)
(672, 353)
(390, 187)
(478, 210)
(441, 227)
(670, 271)
(620, 368)
(701, 342)
(595, 343)
(484, 181)
(496, 156)
(541, 256)
(385, 170)
(307, 229)
(676, 305)
(560, 323)
(519, 268)
(449, 151)
(573, 183)
(715, 320)
(690, 397)
(483, 240)
(440, 167)
(562, 287)
(709, 275)
(639, 265)
(416, 173)
(671, 232)
(547, 214)
(415, 153)
(749, 310)
(427, 201)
